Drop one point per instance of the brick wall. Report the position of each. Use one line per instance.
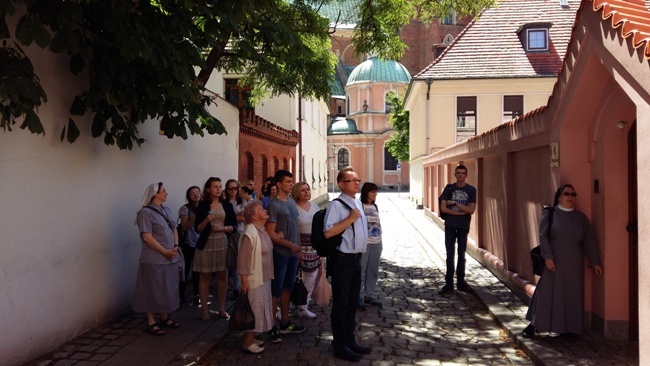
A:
(263, 154)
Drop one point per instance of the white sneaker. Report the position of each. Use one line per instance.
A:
(305, 313)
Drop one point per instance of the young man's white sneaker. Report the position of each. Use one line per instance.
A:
(305, 313)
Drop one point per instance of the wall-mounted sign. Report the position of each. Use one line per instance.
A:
(555, 154)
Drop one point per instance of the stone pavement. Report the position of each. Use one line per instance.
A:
(415, 326)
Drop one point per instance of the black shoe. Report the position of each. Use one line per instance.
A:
(346, 354)
(446, 289)
(361, 306)
(529, 331)
(371, 301)
(463, 286)
(362, 350)
(568, 336)
(274, 335)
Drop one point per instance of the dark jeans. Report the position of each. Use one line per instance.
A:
(188, 253)
(346, 284)
(451, 235)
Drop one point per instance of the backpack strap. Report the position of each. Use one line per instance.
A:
(163, 215)
(349, 208)
(551, 211)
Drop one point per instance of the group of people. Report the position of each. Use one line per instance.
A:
(564, 234)
(273, 240)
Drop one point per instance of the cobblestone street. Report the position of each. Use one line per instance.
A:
(415, 326)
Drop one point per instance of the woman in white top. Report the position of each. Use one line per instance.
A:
(309, 260)
(371, 258)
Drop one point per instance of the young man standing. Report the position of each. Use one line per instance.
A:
(458, 203)
(282, 227)
(345, 264)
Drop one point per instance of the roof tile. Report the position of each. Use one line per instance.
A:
(490, 47)
(631, 17)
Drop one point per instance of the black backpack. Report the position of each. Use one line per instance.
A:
(324, 247)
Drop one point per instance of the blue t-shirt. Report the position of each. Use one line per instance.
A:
(285, 216)
(463, 195)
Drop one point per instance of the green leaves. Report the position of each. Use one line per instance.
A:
(30, 28)
(398, 144)
(20, 91)
(72, 131)
(141, 57)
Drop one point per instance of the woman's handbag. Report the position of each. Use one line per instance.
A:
(231, 254)
(323, 291)
(299, 292)
(538, 260)
(242, 317)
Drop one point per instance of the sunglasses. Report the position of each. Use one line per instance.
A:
(352, 180)
(569, 194)
(232, 188)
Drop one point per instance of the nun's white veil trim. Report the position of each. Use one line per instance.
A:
(148, 195)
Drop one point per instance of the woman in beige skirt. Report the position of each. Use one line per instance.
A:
(215, 221)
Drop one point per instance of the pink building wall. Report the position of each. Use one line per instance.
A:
(599, 102)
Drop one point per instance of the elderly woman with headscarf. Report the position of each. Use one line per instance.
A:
(156, 288)
(255, 267)
(564, 233)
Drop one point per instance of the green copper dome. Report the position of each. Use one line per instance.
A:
(343, 126)
(376, 70)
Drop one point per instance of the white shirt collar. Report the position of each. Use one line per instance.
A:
(564, 208)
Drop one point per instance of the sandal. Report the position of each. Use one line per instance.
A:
(168, 323)
(155, 330)
(206, 317)
(224, 315)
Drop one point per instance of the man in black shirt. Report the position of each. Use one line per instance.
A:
(458, 203)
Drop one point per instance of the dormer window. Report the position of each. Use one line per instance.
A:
(534, 37)
(537, 39)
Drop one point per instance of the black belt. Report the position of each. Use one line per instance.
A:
(348, 255)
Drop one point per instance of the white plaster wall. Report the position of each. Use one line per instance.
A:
(69, 252)
(281, 110)
(314, 146)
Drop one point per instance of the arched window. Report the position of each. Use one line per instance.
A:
(265, 167)
(390, 162)
(387, 106)
(347, 105)
(250, 165)
(343, 158)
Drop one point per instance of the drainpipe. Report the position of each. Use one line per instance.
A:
(428, 81)
(300, 168)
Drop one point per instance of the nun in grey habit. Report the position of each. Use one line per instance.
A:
(557, 304)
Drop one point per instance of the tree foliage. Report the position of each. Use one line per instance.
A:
(380, 21)
(151, 59)
(398, 144)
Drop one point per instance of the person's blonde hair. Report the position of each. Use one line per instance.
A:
(295, 191)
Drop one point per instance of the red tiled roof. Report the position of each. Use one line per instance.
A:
(631, 17)
(490, 47)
